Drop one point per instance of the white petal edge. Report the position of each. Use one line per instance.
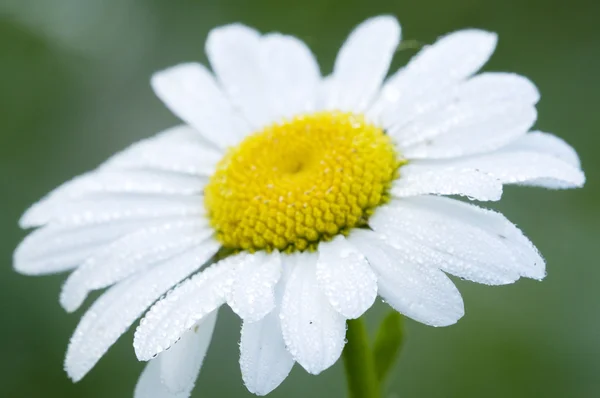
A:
(345, 277)
(264, 359)
(362, 63)
(419, 291)
(463, 239)
(313, 331)
(131, 254)
(113, 313)
(416, 179)
(190, 91)
(180, 365)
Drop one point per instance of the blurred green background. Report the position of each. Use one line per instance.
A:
(74, 89)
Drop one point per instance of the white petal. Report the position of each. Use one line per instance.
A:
(498, 87)
(173, 373)
(519, 167)
(465, 240)
(252, 292)
(461, 129)
(149, 384)
(469, 97)
(264, 359)
(113, 208)
(185, 305)
(346, 278)
(150, 166)
(452, 58)
(419, 291)
(56, 248)
(129, 181)
(180, 365)
(234, 52)
(532, 169)
(133, 253)
(179, 149)
(362, 64)
(313, 331)
(418, 179)
(547, 144)
(100, 183)
(112, 314)
(291, 75)
(191, 92)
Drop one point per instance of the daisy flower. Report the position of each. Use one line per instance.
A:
(296, 199)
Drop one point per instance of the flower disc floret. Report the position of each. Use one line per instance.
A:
(300, 182)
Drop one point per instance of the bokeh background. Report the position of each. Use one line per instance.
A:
(74, 89)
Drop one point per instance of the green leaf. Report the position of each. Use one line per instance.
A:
(388, 343)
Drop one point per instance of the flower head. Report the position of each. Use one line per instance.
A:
(296, 199)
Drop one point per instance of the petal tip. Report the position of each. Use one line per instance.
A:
(229, 31)
(28, 219)
(75, 373)
(71, 299)
(385, 22)
(480, 39)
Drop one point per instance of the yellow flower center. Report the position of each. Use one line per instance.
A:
(300, 182)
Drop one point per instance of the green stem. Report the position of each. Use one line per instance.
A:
(358, 361)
